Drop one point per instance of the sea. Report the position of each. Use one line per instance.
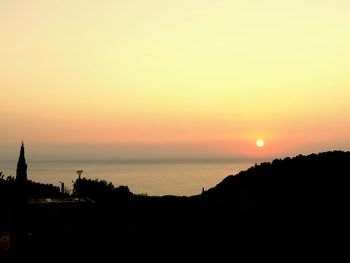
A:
(152, 177)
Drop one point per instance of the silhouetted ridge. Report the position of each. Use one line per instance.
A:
(316, 180)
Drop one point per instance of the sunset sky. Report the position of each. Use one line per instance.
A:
(175, 78)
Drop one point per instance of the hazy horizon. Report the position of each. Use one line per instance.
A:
(152, 176)
(137, 153)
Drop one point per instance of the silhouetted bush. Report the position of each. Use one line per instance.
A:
(34, 190)
(100, 190)
(39, 190)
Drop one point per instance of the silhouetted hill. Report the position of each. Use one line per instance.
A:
(303, 182)
(291, 210)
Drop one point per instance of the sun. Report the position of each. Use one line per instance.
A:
(260, 143)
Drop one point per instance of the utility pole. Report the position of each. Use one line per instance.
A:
(62, 187)
(79, 172)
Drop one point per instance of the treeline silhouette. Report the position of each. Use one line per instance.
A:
(100, 190)
(34, 190)
(290, 210)
(302, 183)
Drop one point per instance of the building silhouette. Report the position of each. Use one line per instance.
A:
(21, 172)
(18, 228)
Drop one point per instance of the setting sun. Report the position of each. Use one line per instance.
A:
(260, 143)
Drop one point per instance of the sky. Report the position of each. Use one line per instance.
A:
(162, 78)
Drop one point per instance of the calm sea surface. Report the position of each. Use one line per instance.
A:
(163, 177)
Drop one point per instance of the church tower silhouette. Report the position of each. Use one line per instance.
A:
(18, 226)
(21, 173)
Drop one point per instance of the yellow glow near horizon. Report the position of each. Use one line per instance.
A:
(177, 72)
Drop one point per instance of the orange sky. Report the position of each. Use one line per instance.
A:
(176, 78)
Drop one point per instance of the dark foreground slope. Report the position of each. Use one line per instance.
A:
(291, 210)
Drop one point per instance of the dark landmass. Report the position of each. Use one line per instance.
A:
(291, 210)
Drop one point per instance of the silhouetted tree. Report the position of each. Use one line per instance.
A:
(99, 190)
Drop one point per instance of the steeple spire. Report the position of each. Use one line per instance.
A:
(18, 227)
(21, 174)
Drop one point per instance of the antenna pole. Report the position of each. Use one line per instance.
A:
(79, 172)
